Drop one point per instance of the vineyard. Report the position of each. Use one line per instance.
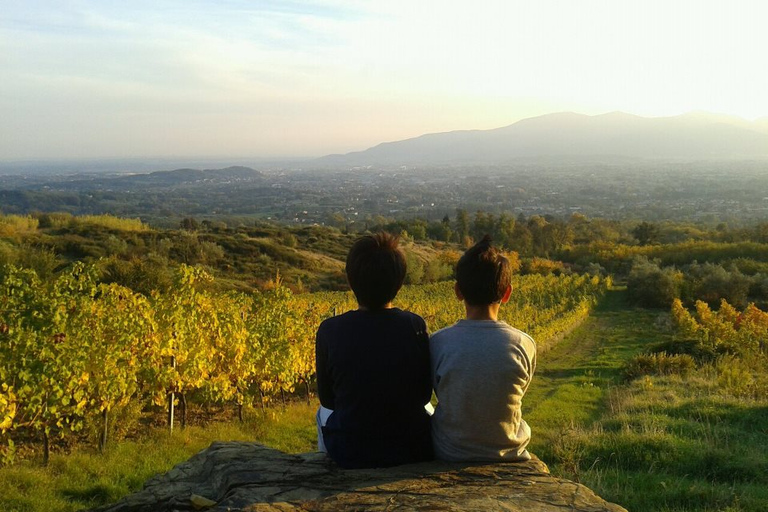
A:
(74, 351)
(735, 342)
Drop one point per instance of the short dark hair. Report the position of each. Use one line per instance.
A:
(483, 274)
(375, 269)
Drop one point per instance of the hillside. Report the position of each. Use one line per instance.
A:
(165, 179)
(242, 257)
(563, 136)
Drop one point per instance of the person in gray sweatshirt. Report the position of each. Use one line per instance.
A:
(481, 368)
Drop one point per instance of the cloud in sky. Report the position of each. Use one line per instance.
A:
(204, 78)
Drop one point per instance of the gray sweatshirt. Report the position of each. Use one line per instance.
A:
(480, 372)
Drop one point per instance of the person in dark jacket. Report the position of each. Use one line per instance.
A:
(373, 374)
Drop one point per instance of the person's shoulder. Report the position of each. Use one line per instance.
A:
(445, 332)
(336, 321)
(412, 320)
(328, 322)
(413, 317)
(520, 333)
(517, 334)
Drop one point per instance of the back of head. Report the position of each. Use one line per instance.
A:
(375, 269)
(483, 274)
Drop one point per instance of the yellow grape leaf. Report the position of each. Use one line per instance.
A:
(9, 409)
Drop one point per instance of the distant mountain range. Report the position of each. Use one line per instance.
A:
(563, 136)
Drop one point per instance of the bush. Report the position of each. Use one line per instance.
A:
(542, 266)
(54, 220)
(750, 267)
(692, 347)
(8, 254)
(733, 377)
(11, 226)
(142, 275)
(651, 286)
(711, 283)
(40, 259)
(436, 270)
(111, 222)
(288, 239)
(595, 269)
(414, 270)
(659, 364)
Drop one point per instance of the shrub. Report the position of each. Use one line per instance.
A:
(435, 270)
(111, 222)
(750, 267)
(40, 259)
(699, 352)
(733, 377)
(595, 269)
(8, 253)
(659, 364)
(13, 225)
(651, 286)
(414, 270)
(712, 283)
(55, 220)
(542, 266)
(288, 239)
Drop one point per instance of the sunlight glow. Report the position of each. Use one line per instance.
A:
(94, 79)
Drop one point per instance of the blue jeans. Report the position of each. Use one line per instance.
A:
(323, 413)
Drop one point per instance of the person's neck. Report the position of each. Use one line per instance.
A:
(388, 305)
(483, 312)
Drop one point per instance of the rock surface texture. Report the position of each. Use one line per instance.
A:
(250, 477)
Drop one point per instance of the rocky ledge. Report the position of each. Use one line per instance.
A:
(250, 477)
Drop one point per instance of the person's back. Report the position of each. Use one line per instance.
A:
(373, 368)
(481, 368)
(376, 382)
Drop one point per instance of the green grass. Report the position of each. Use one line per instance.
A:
(671, 444)
(573, 377)
(85, 479)
(655, 444)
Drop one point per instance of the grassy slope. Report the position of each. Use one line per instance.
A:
(85, 479)
(656, 444)
(573, 378)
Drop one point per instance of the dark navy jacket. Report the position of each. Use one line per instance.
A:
(373, 371)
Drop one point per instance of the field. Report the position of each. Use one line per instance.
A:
(674, 442)
(657, 443)
(79, 356)
(84, 478)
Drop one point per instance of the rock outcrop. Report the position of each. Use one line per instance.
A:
(250, 477)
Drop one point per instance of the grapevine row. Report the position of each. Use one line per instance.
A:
(725, 331)
(74, 351)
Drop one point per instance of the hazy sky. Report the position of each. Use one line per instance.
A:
(116, 78)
